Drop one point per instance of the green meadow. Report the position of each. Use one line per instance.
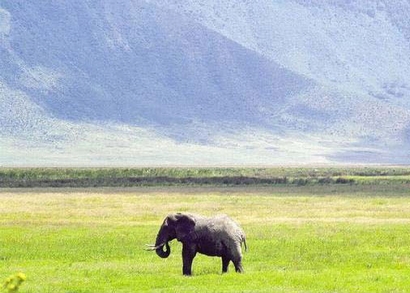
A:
(310, 238)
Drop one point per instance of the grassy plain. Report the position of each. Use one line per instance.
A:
(328, 238)
(132, 177)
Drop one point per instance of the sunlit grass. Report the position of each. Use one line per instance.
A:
(300, 240)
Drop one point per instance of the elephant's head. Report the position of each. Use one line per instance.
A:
(174, 226)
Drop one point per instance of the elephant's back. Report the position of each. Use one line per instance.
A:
(229, 230)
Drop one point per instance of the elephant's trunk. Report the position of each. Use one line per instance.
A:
(161, 241)
(160, 250)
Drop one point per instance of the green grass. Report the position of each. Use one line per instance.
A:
(128, 177)
(301, 239)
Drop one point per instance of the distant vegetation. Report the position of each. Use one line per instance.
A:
(130, 177)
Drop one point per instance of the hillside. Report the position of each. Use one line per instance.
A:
(171, 82)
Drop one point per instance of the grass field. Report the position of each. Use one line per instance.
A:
(344, 238)
(131, 177)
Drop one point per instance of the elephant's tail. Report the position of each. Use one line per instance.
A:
(244, 243)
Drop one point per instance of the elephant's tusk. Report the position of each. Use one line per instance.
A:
(153, 247)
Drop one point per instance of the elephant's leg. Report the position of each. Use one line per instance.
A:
(188, 254)
(237, 261)
(225, 263)
(235, 254)
(238, 266)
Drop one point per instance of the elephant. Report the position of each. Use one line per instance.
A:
(215, 236)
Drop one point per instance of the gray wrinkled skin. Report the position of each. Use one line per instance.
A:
(214, 236)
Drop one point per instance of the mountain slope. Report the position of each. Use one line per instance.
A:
(159, 67)
(349, 44)
(204, 82)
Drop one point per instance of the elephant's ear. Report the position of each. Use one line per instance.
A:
(185, 226)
